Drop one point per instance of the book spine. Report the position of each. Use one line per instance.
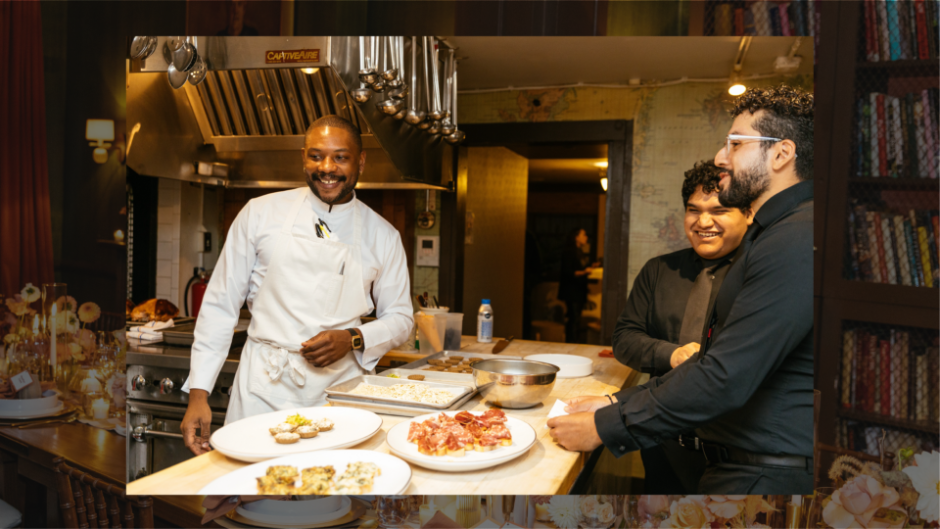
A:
(925, 256)
(864, 127)
(871, 42)
(905, 139)
(923, 46)
(874, 243)
(798, 17)
(889, 244)
(935, 219)
(848, 350)
(784, 10)
(884, 374)
(897, 147)
(922, 389)
(895, 398)
(739, 21)
(774, 12)
(811, 17)
(912, 157)
(723, 20)
(873, 131)
(853, 248)
(856, 356)
(884, 39)
(932, 249)
(882, 135)
(861, 372)
(864, 252)
(762, 19)
(913, 254)
(873, 378)
(930, 126)
(921, 147)
(880, 247)
(933, 363)
(904, 267)
(894, 34)
(904, 390)
(904, 30)
(749, 27)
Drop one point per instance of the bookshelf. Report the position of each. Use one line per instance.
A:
(762, 18)
(878, 338)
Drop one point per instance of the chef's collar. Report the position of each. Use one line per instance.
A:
(322, 208)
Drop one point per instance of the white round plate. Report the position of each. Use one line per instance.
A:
(523, 437)
(294, 512)
(33, 414)
(395, 477)
(29, 406)
(249, 439)
(570, 366)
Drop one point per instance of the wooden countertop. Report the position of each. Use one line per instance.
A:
(545, 469)
(84, 447)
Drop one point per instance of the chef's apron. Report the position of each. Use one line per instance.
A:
(312, 285)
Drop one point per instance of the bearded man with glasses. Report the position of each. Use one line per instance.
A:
(752, 379)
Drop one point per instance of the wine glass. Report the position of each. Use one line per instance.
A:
(393, 511)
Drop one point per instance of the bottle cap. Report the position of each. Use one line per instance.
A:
(486, 302)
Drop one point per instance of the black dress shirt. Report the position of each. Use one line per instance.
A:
(572, 288)
(647, 331)
(753, 385)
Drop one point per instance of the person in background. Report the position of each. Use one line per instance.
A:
(753, 376)
(572, 284)
(236, 21)
(661, 325)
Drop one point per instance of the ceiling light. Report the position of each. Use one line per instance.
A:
(604, 184)
(737, 89)
(309, 71)
(601, 164)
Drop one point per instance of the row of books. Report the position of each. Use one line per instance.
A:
(895, 249)
(890, 372)
(897, 136)
(865, 438)
(898, 31)
(763, 18)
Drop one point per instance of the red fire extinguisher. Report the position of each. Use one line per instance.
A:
(201, 279)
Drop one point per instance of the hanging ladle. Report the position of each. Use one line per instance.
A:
(458, 135)
(414, 116)
(199, 70)
(379, 84)
(362, 94)
(425, 123)
(447, 126)
(184, 57)
(391, 74)
(367, 73)
(435, 113)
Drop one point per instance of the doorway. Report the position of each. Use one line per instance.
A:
(564, 192)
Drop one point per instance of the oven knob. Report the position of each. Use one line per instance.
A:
(166, 386)
(138, 383)
(139, 433)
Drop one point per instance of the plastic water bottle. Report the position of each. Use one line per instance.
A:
(485, 323)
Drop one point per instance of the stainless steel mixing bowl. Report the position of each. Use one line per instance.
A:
(514, 383)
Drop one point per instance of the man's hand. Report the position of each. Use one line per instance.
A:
(575, 432)
(327, 347)
(683, 353)
(198, 415)
(588, 404)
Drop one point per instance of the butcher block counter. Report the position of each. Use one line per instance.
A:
(545, 469)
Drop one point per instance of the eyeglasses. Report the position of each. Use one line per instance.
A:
(740, 137)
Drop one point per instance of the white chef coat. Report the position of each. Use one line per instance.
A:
(244, 260)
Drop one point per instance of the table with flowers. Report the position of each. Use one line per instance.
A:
(49, 335)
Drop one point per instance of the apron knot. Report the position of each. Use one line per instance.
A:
(279, 359)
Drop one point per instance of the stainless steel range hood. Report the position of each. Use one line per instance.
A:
(250, 113)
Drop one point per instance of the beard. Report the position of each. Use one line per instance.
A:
(346, 186)
(745, 186)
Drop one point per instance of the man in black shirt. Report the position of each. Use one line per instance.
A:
(752, 381)
(662, 322)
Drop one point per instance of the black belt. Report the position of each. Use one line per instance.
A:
(716, 453)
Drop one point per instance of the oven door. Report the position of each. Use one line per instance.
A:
(154, 441)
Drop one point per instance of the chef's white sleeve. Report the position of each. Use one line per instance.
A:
(393, 308)
(222, 303)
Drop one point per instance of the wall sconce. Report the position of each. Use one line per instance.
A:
(604, 184)
(99, 132)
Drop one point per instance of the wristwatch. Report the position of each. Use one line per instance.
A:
(357, 342)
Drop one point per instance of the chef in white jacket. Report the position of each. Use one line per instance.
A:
(310, 262)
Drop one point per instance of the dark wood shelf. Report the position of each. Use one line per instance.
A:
(884, 294)
(897, 183)
(909, 68)
(861, 416)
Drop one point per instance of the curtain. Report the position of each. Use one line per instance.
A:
(25, 218)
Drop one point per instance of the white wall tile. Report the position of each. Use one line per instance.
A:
(164, 232)
(164, 250)
(164, 268)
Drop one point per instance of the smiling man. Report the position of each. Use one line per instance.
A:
(751, 384)
(661, 325)
(306, 261)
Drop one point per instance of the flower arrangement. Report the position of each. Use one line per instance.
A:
(564, 511)
(868, 496)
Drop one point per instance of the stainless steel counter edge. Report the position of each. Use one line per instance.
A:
(174, 361)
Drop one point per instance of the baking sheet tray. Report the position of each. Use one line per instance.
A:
(180, 320)
(423, 363)
(184, 334)
(343, 390)
(433, 376)
(394, 409)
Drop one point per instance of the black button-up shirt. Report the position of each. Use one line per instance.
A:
(647, 331)
(753, 388)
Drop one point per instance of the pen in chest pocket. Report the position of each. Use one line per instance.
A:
(342, 267)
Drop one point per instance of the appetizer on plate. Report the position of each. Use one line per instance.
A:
(287, 438)
(358, 478)
(446, 435)
(297, 427)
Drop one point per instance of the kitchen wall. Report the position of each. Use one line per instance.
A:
(673, 127)
(426, 277)
(497, 186)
